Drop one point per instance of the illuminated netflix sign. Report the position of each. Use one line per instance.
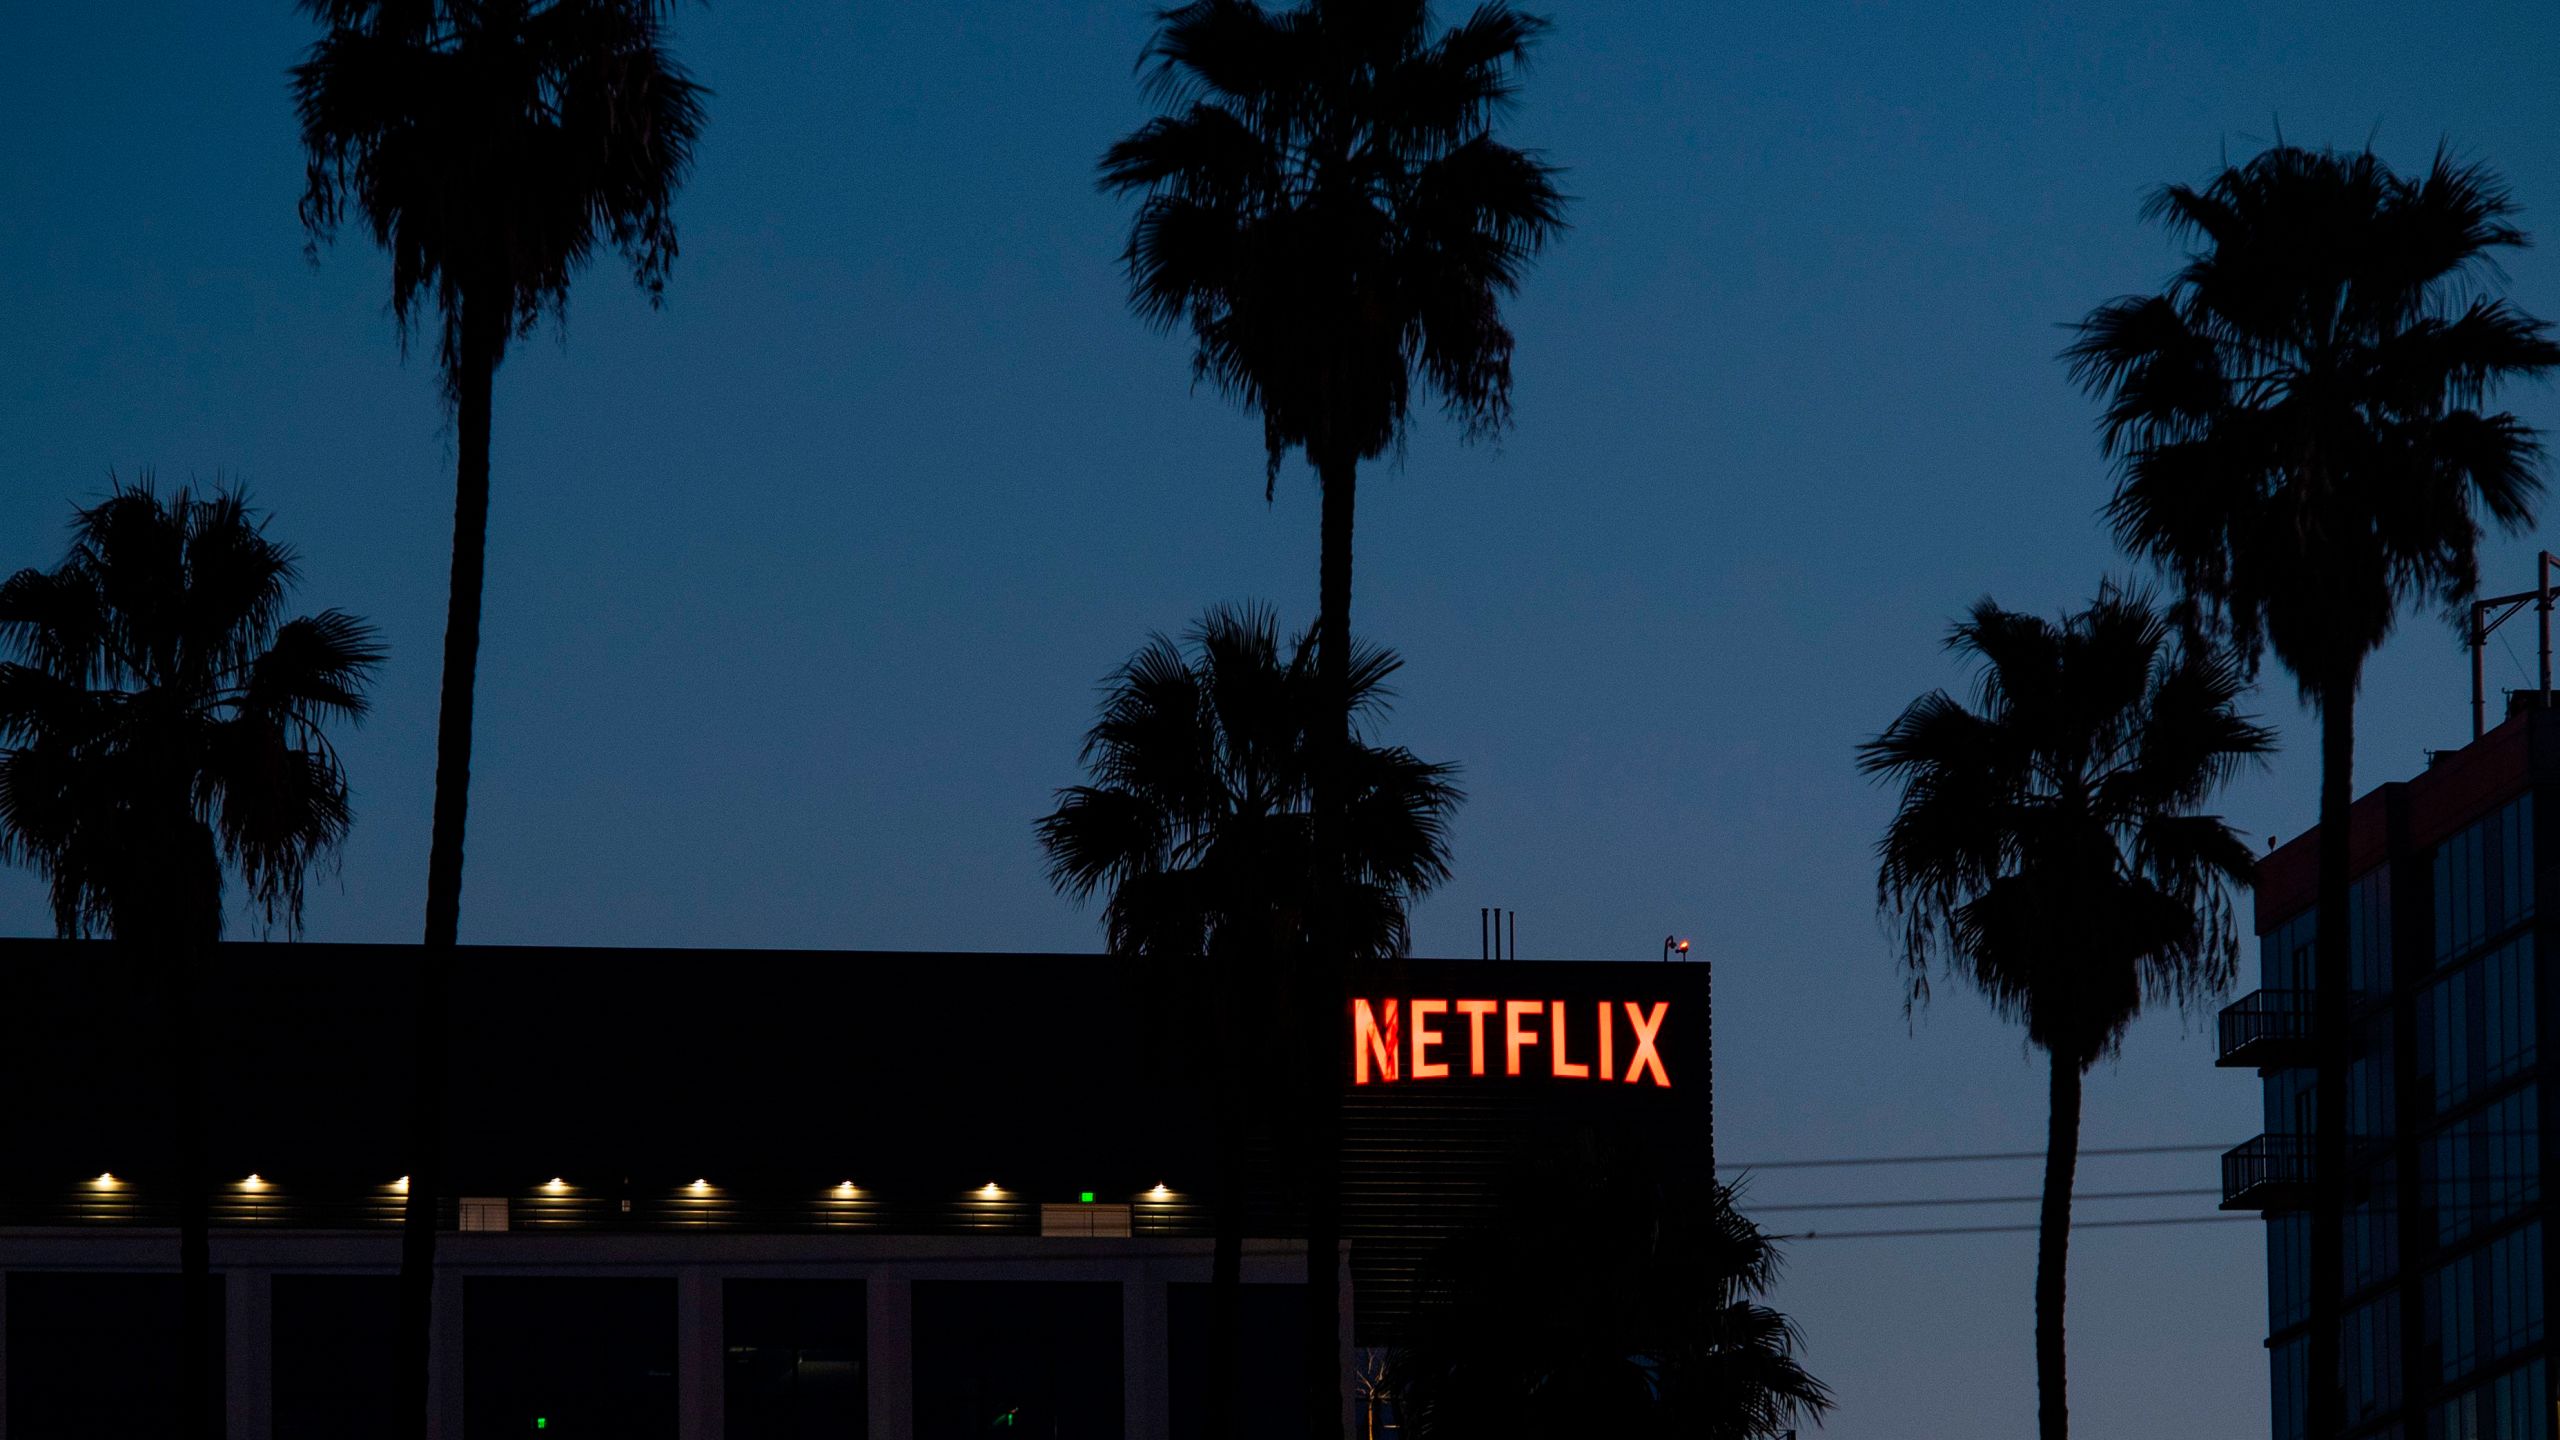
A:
(1426, 1039)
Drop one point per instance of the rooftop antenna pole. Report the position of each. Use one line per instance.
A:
(2479, 684)
(2542, 603)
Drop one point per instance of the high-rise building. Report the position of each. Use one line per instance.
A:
(2441, 1316)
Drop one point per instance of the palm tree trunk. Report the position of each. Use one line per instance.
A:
(1340, 475)
(1226, 1267)
(2053, 1247)
(177, 914)
(2325, 1407)
(196, 1320)
(484, 321)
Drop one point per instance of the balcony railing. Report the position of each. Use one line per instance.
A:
(2272, 1172)
(2266, 1029)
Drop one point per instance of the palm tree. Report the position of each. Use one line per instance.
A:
(1605, 1300)
(2051, 850)
(1327, 211)
(2303, 446)
(163, 729)
(1198, 828)
(492, 146)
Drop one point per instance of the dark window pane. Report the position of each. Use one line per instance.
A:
(96, 1355)
(334, 1342)
(1017, 1358)
(570, 1358)
(2484, 878)
(1270, 1396)
(796, 1354)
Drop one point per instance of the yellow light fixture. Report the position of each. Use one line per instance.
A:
(253, 1182)
(401, 1184)
(699, 1186)
(844, 1187)
(1160, 1192)
(991, 1188)
(555, 1184)
(106, 1180)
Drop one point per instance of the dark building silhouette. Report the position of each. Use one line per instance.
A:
(760, 1193)
(2443, 1325)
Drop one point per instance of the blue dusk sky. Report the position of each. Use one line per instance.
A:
(799, 589)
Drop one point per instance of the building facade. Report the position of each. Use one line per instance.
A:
(771, 1194)
(2442, 1323)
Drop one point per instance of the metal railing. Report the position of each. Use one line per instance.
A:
(2271, 1172)
(2265, 1027)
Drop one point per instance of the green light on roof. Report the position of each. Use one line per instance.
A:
(1086, 1197)
(541, 1422)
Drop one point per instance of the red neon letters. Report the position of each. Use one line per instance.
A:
(1379, 1048)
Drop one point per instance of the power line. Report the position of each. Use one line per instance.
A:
(1981, 1200)
(2012, 1229)
(1837, 1162)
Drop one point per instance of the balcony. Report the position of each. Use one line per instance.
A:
(2272, 1172)
(2266, 1029)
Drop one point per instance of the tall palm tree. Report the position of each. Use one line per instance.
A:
(1328, 213)
(1198, 828)
(1605, 1300)
(163, 728)
(2304, 445)
(491, 146)
(2051, 849)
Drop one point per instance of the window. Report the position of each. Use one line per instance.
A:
(2289, 1095)
(2369, 932)
(2287, 1374)
(1030, 1358)
(1270, 1403)
(2369, 1351)
(796, 1358)
(2288, 956)
(2369, 1108)
(2515, 1406)
(2484, 878)
(2476, 1025)
(568, 1356)
(95, 1355)
(2373, 1229)
(2486, 1304)
(335, 1338)
(2285, 959)
(2288, 1270)
(2485, 1167)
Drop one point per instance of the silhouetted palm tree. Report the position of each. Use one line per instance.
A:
(2305, 448)
(162, 729)
(1198, 828)
(1327, 211)
(1605, 1301)
(2051, 849)
(491, 146)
